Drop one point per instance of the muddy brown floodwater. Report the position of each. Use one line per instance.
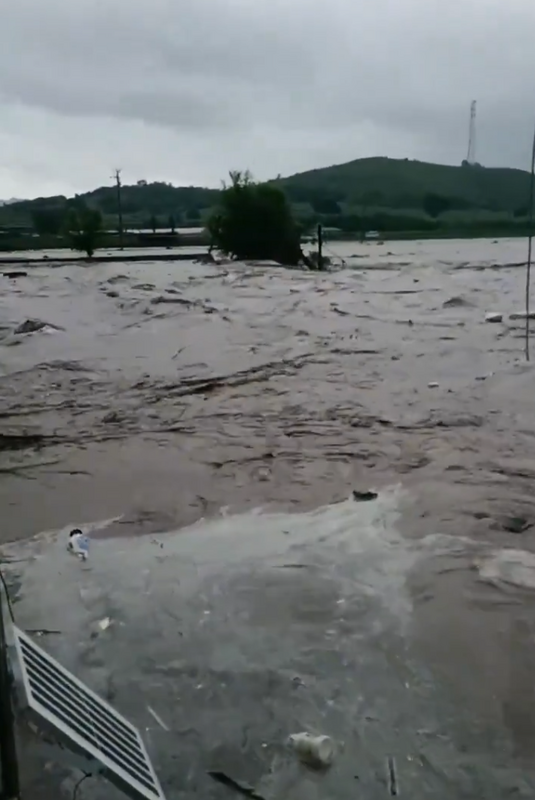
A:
(161, 394)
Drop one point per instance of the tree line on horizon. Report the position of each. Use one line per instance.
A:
(371, 194)
(251, 220)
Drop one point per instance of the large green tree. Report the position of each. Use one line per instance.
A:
(255, 221)
(83, 227)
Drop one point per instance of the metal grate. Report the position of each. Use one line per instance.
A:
(84, 721)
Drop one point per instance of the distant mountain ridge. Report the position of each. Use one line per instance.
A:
(11, 201)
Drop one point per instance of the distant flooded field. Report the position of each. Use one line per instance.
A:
(316, 380)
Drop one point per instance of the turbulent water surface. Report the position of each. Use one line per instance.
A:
(159, 395)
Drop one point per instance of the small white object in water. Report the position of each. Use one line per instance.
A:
(104, 624)
(493, 316)
(264, 474)
(317, 751)
(433, 385)
(78, 544)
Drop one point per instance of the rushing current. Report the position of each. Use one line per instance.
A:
(207, 425)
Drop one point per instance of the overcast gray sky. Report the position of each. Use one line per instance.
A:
(184, 90)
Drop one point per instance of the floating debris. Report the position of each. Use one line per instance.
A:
(363, 497)
(158, 719)
(457, 302)
(316, 751)
(34, 325)
(78, 544)
(239, 786)
(392, 777)
(515, 524)
(522, 315)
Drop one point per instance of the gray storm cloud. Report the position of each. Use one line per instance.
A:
(387, 75)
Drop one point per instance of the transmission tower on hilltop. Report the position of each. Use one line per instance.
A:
(471, 155)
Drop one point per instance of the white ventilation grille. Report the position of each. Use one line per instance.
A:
(83, 721)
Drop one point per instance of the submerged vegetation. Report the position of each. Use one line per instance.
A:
(255, 221)
(82, 228)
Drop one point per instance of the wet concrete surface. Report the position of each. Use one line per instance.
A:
(162, 394)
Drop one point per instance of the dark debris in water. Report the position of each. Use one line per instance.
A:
(392, 777)
(457, 302)
(364, 496)
(239, 786)
(20, 440)
(35, 325)
(516, 524)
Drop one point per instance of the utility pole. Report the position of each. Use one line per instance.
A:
(320, 246)
(117, 177)
(9, 770)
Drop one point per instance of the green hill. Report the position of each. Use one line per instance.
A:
(358, 188)
(140, 203)
(400, 183)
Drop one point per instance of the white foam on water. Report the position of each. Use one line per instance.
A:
(514, 568)
(357, 544)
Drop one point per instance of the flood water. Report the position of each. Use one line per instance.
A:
(219, 417)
